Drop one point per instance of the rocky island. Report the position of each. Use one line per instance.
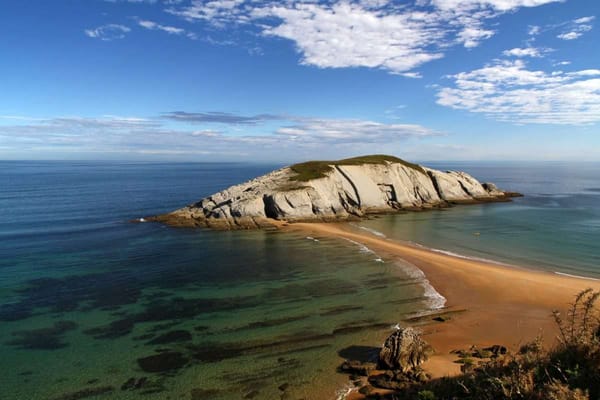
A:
(318, 191)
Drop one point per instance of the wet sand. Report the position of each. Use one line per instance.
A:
(495, 304)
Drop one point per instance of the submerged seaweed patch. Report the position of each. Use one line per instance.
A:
(49, 338)
(163, 362)
(175, 309)
(172, 337)
(72, 293)
(115, 329)
(272, 322)
(339, 310)
(85, 393)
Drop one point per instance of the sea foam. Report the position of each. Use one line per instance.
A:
(370, 230)
(435, 300)
(576, 276)
(364, 249)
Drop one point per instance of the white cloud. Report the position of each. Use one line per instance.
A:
(499, 5)
(165, 28)
(361, 33)
(108, 32)
(534, 30)
(577, 28)
(472, 36)
(525, 52)
(569, 35)
(584, 20)
(218, 12)
(347, 35)
(508, 91)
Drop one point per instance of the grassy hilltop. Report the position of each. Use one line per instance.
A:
(310, 170)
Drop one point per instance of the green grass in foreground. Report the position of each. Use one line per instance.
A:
(310, 170)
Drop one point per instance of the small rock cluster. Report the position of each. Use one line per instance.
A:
(398, 365)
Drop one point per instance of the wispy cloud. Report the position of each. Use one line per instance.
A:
(151, 25)
(509, 91)
(155, 136)
(351, 131)
(221, 117)
(577, 28)
(535, 52)
(108, 32)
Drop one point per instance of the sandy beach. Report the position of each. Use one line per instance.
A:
(494, 304)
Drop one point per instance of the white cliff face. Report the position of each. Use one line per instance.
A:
(344, 192)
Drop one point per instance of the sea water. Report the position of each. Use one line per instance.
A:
(94, 306)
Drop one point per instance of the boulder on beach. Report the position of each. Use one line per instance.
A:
(404, 350)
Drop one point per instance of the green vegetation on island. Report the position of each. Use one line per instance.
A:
(310, 170)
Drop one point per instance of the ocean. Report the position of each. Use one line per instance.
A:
(93, 306)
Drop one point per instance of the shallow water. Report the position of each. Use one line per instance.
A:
(93, 306)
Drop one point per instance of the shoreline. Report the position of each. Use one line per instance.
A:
(491, 303)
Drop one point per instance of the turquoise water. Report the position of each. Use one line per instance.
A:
(92, 306)
(555, 227)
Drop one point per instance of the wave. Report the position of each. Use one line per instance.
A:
(370, 230)
(464, 257)
(343, 392)
(435, 300)
(364, 249)
(576, 276)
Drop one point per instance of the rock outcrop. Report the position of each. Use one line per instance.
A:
(331, 191)
(404, 350)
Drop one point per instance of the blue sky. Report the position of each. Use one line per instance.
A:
(292, 80)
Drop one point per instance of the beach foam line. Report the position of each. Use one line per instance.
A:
(435, 299)
(370, 230)
(364, 249)
(576, 276)
(342, 393)
(464, 257)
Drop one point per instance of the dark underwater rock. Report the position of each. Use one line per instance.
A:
(357, 368)
(163, 362)
(82, 394)
(172, 337)
(49, 338)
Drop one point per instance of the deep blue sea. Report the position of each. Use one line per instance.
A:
(93, 306)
